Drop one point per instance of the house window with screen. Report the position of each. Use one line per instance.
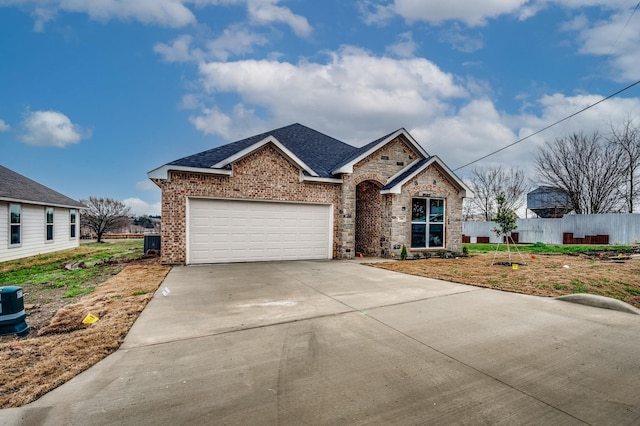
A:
(72, 221)
(427, 223)
(15, 224)
(48, 213)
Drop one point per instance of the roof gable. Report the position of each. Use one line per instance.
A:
(394, 186)
(16, 187)
(314, 152)
(256, 146)
(346, 165)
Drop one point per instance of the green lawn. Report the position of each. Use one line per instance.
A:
(47, 272)
(544, 248)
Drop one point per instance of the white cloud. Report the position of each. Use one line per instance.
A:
(460, 41)
(616, 37)
(166, 13)
(146, 185)
(51, 128)
(212, 121)
(558, 106)
(140, 207)
(266, 12)
(236, 40)
(357, 97)
(4, 127)
(190, 101)
(179, 50)
(476, 129)
(42, 15)
(240, 121)
(375, 14)
(169, 13)
(351, 90)
(473, 13)
(405, 47)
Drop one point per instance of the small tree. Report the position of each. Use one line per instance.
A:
(505, 217)
(103, 214)
(403, 253)
(506, 221)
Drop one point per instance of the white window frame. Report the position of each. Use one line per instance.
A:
(14, 224)
(73, 224)
(428, 222)
(48, 224)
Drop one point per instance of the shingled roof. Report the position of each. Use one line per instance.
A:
(15, 187)
(319, 151)
(318, 155)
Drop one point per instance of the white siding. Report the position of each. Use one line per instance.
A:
(4, 227)
(34, 232)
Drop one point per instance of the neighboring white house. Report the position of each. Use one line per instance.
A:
(35, 219)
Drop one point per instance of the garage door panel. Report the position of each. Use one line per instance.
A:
(241, 231)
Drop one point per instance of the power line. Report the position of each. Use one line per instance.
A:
(635, 9)
(549, 126)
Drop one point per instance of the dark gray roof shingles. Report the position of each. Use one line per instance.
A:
(406, 173)
(320, 152)
(14, 186)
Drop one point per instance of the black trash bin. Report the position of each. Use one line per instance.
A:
(12, 314)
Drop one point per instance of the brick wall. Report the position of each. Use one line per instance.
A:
(376, 168)
(418, 186)
(368, 218)
(264, 175)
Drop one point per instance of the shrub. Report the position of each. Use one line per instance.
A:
(403, 253)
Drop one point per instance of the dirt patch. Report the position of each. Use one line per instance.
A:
(542, 275)
(57, 352)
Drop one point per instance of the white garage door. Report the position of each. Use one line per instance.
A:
(248, 231)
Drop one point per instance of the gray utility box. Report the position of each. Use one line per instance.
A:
(12, 314)
(151, 242)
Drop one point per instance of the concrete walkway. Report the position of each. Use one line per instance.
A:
(336, 342)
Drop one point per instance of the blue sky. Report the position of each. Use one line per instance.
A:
(94, 94)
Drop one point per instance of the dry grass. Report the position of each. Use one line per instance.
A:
(544, 274)
(33, 366)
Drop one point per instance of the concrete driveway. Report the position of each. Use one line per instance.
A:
(336, 342)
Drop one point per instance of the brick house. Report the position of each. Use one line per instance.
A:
(295, 193)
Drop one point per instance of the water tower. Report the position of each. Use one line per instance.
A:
(549, 202)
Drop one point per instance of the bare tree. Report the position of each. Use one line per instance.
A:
(627, 138)
(587, 168)
(487, 183)
(103, 214)
(468, 210)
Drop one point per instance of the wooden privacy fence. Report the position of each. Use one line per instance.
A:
(113, 236)
(570, 229)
